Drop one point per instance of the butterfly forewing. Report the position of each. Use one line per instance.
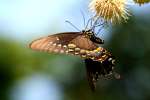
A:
(49, 42)
(63, 43)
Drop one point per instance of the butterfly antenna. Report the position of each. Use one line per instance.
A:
(94, 24)
(103, 25)
(88, 23)
(72, 25)
(83, 17)
(91, 22)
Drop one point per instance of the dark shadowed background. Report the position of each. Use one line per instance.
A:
(32, 75)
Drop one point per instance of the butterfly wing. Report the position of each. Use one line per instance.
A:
(92, 68)
(51, 42)
(63, 42)
(95, 69)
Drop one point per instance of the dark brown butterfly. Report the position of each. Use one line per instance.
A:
(84, 44)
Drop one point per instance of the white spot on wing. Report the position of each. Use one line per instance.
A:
(59, 45)
(57, 38)
(65, 46)
(54, 44)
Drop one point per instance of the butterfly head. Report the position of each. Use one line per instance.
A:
(91, 35)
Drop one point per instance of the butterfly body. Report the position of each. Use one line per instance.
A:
(96, 69)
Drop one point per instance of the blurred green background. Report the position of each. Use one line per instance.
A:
(31, 75)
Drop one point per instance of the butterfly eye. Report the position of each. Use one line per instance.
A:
(100, 41)
(83, 31)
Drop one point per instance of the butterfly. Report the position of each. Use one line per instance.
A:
(98, 61)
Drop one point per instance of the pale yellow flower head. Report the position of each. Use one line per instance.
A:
(114, 11)
(140, 2)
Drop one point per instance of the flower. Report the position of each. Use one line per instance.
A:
(110, 10)
(140, 2)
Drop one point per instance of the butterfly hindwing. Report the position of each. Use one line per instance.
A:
(96, 69)
(92, 68)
